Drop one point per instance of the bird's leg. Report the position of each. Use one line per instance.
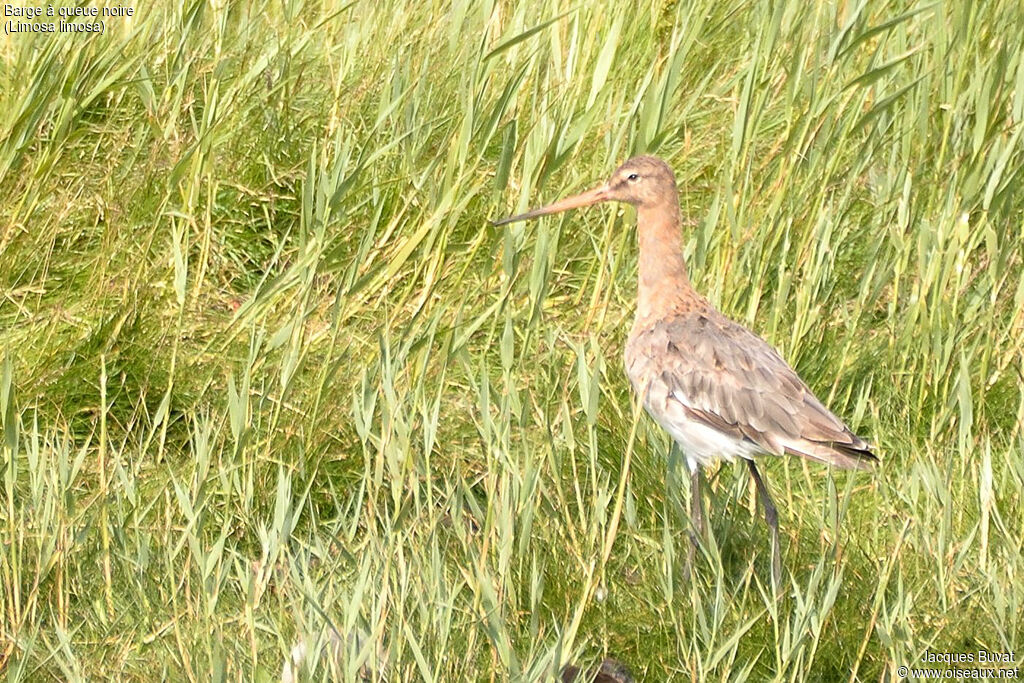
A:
(696, 503)
(696, 516)
(771, 517)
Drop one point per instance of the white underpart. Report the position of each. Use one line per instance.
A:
(702, 445)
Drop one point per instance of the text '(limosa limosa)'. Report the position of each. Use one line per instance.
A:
(717, 388)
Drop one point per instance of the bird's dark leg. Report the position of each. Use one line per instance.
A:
(696, 503)
(696, 516)
(771, 517)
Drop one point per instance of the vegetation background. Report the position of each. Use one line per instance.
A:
(266, 370)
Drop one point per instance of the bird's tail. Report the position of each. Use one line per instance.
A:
(856, 455)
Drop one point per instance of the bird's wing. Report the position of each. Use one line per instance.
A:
(730, 379)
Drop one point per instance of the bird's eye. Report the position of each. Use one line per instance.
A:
(633, 177)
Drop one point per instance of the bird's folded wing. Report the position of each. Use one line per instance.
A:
(730, 379)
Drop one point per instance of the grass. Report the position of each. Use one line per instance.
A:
(266, 371)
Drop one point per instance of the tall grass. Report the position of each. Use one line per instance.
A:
(269, 378)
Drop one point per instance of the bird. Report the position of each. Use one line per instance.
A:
(718, 389)
(610, 671)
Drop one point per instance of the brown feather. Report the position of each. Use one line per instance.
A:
(731, 380)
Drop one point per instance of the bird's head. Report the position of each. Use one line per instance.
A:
(643, 181)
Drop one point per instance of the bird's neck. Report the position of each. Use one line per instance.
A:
(664, 286)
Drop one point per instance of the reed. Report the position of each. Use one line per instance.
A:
(269, 377)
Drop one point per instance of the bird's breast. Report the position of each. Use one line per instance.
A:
(653, 360)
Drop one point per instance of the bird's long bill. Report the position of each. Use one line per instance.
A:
(598, 194)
